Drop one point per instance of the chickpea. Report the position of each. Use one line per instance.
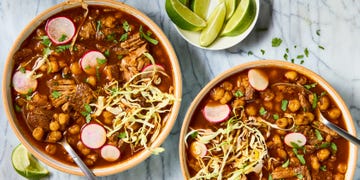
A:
(341, 168)
(282, 122)
(277, 140)
(53, 67)
(64, 118)
(40, 99)
(90, 159)
(251, 110)
(237, 103)
(226, 98)
(299, 118)
(82, 148)
(56, 116)
(54, 125)
(54, 136)
(339, 176)
(294, 105)
(108, 117)
(268, 105)
(315, 164)
(91, 80)
(279, 97)
(324, 103)
(73, 140)
(89, 162)
(75, 68)
(328, 138)
(74, 129)
(334, 113)
(217, 93)
(93, 157)
(308, 116)
(323, 154)
(281, 153)
(227, 86)
(43, 67)
(281, 132)
(267, 95)
(62, 63)
(291, 75)
(38, 133)
(51, 149)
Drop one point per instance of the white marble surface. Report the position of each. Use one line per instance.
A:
(295, 22)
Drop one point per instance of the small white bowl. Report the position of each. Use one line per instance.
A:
(221, 42)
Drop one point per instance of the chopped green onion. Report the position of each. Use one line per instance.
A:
(101, 61)
(62, 48)
(276, 42)
(124, 37)
(262, 111)
(270, 177)
(315, 100)
(147, 37)
(22, 69)
(122, 135)
(324, 145)
(286, 164)
(275, 116)
(300, 56)
(309, 86)
(284, 104)
(238, 94)
(194, 134)
(318, 135)
(126, 26)
(62, 38)
(55, 94)
(323, 167)
(333, 147)
(286, 56)
(98, 26)
(46, 41)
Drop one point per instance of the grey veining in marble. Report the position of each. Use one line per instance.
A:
(296, 22)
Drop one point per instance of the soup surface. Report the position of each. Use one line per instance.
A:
(262, 124)
(98, 77)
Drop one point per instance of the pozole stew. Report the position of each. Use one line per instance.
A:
(98, 77)
(262, 124)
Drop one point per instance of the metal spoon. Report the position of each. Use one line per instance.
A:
(88, 173)
(339, 130)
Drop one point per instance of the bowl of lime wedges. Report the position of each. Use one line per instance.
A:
(213, 24)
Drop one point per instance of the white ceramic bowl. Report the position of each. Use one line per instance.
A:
(221, 42)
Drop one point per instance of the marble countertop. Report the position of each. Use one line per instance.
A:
(330, 30)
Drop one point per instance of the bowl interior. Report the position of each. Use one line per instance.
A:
(269, 63)
(221, 42)
(116, 167)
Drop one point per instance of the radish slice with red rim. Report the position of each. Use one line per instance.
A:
(215, 112)
(198, 149)
(92, 62)
(23, 82)
(93, 136)
(295, 140)
(258, 79)
(60, 30)
(110, 153)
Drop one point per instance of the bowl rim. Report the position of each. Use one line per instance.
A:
(217, 45)
(270, 63)
(140, 156)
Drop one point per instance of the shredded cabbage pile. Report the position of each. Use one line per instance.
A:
(139, 124)
(239, 146)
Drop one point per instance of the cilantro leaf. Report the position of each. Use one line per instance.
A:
(276, 42)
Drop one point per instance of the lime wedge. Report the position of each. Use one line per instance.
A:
(230, 7)
(200, 7)
(26, 164)
(214, 26)
(183, 17)
(241, 19)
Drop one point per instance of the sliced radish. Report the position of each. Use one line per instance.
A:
(92, 62)
(110, 153)
(215, 112)
(258, 79)
(60, 30)
(93, 135)
(295, 138)
(198, 149)
(150, 68)
(23, 82)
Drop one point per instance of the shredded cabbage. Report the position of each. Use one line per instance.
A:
(140, 123)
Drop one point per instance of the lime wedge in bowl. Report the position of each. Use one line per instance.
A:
(230, 7)
(222, 42)
(241, 19)
(214, 25)
(200, 7)
(183, 17)
(26, 164)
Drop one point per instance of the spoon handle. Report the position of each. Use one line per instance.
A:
(88, 173)
(342, 132)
